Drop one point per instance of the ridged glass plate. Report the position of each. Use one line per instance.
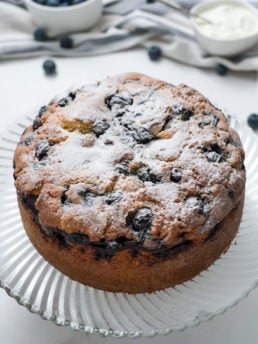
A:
(35, 284)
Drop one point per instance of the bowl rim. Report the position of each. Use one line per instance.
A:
(46, 8)
(196, 9)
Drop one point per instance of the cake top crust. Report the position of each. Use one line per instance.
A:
(131, 158)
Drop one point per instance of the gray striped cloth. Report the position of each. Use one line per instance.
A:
(124, 24)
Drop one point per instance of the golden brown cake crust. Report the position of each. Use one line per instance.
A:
(129, 166)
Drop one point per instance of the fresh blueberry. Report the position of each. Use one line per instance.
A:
(221, 69)
(140, 220)
(66, 42)
(154, 52)
(100, 127)
(49, 67)
(42, 147)
(53, 3)
(252, 120)
(40, 34)
(175, 175)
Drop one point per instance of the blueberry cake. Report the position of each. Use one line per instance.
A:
(130, 184)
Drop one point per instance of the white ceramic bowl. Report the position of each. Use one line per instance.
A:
(222, 47)
(59, 20)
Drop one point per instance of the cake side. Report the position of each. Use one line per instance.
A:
(125, 271)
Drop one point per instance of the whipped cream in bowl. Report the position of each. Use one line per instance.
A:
(225, 28)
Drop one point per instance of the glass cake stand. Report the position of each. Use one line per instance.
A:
(35, 284)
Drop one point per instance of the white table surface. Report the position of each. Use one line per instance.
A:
(23, 84)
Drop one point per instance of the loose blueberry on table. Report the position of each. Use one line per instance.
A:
(49, 67)
(221, 69)
(154, 52)
(66, 42)
(40, 34)
(252, 120)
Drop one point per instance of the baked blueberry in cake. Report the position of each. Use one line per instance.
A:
(130, 184)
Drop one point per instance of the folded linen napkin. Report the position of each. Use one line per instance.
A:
(120, 28)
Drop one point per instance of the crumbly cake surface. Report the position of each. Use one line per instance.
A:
(131, 159)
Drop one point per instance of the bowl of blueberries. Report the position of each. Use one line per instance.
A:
(65, 16)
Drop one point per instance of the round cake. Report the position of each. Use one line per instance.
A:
(130, 184)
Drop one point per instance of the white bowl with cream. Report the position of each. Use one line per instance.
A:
(228, 27)
(58, 20)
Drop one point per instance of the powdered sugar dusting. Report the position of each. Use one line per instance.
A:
(126, 134)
